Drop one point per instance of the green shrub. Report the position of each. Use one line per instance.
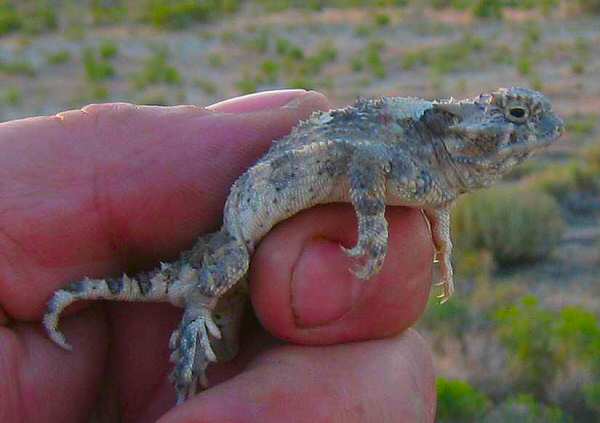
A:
(590, 5)
(582, 50)
(578, 334)
(488, 9)
(577, 67)
(260, 42)
(157, 70)
(560, 181)
(525, 409)
(524, 65)
(206, 85)
(17, 67)
(456, 55)
(269, 70)
(459, 402)
(155, 97)
(303, 82)
(357, 63)
(13, 96)
(502, 55)
(441, 4)
(447, 58)
(279, 5)
(363, 31)
(230, 37)
(542, 343)
(370, 57)
(581, 125)
(591, 155)
(533, 32)
(98, 92)
(326, 53)
(526, 330)
(374, 60)
(513, 224)
(286, 48)
(39, 16)
(96, 69)
(591, 394)
(179, 14)
(382, 19)
(247, 84)
(452, 318)
(525, 169)
(108, 49)
(9, 19)
(107, 11)
(215, 60)
(304, 70)
(544, 346)
(59, 57)
(412, 59)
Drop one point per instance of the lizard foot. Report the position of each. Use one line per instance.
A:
(192, 352)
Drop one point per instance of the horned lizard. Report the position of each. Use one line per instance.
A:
(377, 152)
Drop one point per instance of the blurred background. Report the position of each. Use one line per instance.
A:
(520, 341)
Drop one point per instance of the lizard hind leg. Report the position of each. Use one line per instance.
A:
(147, 286)
(223, 265)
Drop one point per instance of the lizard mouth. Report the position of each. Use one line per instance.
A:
(552, 127)
(548, 130)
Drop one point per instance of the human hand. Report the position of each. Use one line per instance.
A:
(115, 188)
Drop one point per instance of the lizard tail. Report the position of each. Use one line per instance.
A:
(147, 286)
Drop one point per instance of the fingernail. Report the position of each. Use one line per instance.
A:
(256, 102)
(300, 100)
(322, 294)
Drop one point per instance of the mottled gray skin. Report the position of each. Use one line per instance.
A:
(377, 152)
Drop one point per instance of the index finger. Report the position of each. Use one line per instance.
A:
(118, 187)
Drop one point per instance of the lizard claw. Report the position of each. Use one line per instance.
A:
(372, 263)
(361, 272)
(354, 252)
(447, 288)
(174, 339)
(364, 272)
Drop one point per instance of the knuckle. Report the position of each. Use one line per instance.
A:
(109, 113)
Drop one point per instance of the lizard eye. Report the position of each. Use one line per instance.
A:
(516, 113)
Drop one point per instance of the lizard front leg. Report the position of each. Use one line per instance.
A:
(439, 221)
(367, 177)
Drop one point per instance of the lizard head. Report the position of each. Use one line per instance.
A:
(495, 131)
